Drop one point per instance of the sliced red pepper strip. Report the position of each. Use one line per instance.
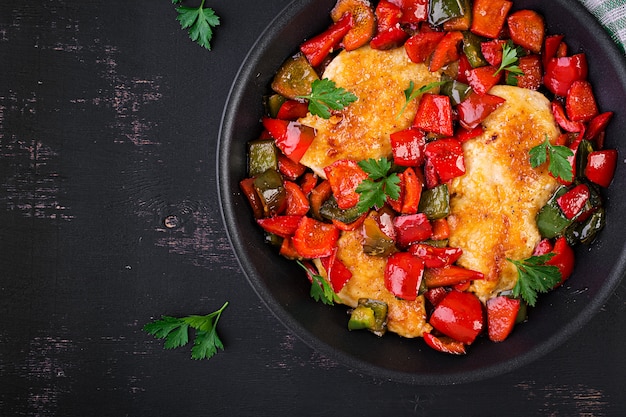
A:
(292, 110)
(459, 315)
(346, 227)
(446, 51)
(412, 228)
(412, 192)
(407, 147)
(446, 156)
(389, 33)
(364, 22)
(574, 200)
(492, 51)
(435, 257)
(337, 273)
(449, 275)
(441, 229)
(463, 135)
(444, 344)
(297, 201)
(282, 226)
(308, 182)
(475, 108)
(318, 196)
(315, 239)
(597, 125)
(287, 249)
(290, 169)
(345, 176)
(403, 275)
(489, 17)
(420, 46)
(501, 315)
(481, 79)
(563, 258)
(434, 114)
(247, 187)
(563, 121)
(527, 29)
(292, 138)
(601, 166)
(317, 48)
(551, 45)
(580, 103)
(435, 295)
(560, 73)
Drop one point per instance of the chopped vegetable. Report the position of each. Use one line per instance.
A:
(459, 315)
(175, 332)
(317, 48)
(502, 314)
(369, 314)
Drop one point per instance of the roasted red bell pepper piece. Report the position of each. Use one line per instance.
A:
(441, 229)
(435, 257)
(527, 29)
(292, 138)
(459, 315)
(297, 201)
(344, 176)
(282, 226)
(465, 134)
(308, 182)
(421, 46)
(449, 275)
(247, 187)
(292, 110)
(290, 169)
(501, 315)
(492, 51)
(544, 246)
(413, 11)
(532, 70)
(446, 51)
(560, 73)
(481, 79)
(598, 125)
(563, 121)
(403, 275)
(580, 103)
(315, 239)
(337, 273)
(412, 228)
(412, 187)
(389, 33)
(574, 200)
(563, 258)
(475, 108)
(318, 47)
(446, 156)
(287, 250)
(444, 344)
(363, 18)
(434, 115)
(407, 147)
(601, 166)
(550, 46)
(346, 227)
(435, 295)
(489, 17)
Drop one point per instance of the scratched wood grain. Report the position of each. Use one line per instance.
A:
(109, 218)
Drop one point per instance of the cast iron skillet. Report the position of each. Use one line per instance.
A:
(283, 287)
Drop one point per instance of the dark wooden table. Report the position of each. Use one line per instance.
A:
(109, 117)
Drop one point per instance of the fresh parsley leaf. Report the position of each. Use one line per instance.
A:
(199, 20)
(175, 332)
(378, 186)
(510, 59)
(320, 288)
(535, 276)
(559, 165)
(411, 93)
(326, 96)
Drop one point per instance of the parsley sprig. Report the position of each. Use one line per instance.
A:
(175, 332)
(535, 276)
(411, 93)
(379, 184)
(510, 59)
(199, 20)
(326, 96)
(559, 164)
(320, 288)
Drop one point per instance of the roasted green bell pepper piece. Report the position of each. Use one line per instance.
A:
(330, 210)
(262, 155)
(443, 10)
(435, 203)
(471, 48)
(551, 221)
(271, 190)
(369, 314)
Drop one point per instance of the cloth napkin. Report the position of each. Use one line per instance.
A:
(612, 16)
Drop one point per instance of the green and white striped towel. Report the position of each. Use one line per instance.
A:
(612, 16)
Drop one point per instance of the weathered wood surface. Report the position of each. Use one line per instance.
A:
(108, 125)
